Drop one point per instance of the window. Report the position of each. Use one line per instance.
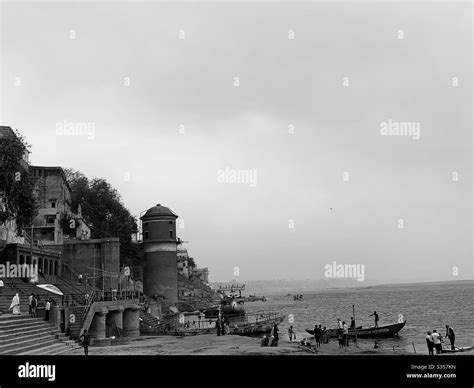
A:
(146, 235)
(171, 234)
(53, 204)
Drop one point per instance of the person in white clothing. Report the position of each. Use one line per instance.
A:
(437, 340)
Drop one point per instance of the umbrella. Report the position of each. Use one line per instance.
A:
(50, 288)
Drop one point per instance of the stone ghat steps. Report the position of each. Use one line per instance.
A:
(151, 324)
(22, 334)
(21, 324)
(149, 319)
(23, 346)
(52, 350)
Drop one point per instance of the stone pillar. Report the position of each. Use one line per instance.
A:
(97, 328)
(131, 323)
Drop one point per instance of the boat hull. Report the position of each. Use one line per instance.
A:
(255, 328)
(370, 332)
(457, 350)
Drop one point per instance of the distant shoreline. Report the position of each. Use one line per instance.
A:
(294, 290)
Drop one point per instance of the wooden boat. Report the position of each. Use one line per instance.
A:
(254, 324)
(229, 307)
(254, 298)
(248, 325)
(456, 350)
(370, 332)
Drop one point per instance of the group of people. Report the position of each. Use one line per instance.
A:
(273, 335)
(320, 335)
(33, 303)
(343, 332)
(434, 340)
(222, 325)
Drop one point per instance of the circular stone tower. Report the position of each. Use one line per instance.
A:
(160, 272)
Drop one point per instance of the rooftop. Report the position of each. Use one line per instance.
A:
(159, 210)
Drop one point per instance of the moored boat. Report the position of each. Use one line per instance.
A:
(370, 332)
(254, 324)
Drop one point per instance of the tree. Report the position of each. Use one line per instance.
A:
(19, 202)
(104, 211)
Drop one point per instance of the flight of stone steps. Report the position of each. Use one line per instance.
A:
(149, 324)
(22, 335)
(73, 292)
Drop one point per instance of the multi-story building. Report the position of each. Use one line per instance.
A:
(202, 273)
(55, 222)
(16, 246)
(183, 262)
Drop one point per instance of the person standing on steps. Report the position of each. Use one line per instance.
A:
(33, 305)
(47, 308)
(86, 340)
(15, 305)
(30, 299)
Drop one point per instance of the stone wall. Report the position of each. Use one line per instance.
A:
(101, 254)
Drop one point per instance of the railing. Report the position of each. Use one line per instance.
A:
(90, 300)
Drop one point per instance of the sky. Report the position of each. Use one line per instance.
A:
(270, 128)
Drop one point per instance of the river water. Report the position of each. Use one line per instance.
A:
(424, 307)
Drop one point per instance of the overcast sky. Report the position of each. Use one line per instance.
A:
(168, 114)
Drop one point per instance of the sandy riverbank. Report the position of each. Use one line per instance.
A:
(210, 344)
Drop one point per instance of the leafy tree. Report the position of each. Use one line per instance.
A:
(104, 211)
(19, 201)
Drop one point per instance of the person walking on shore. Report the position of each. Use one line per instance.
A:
(340, 338)
(224, 326)
(345, 331)
(437, 340)
(275, 336)
(429, 343)
(450, 334)
(376, 318)
(324, 337)
(86, 340)
(291, 333)
(317, 336)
